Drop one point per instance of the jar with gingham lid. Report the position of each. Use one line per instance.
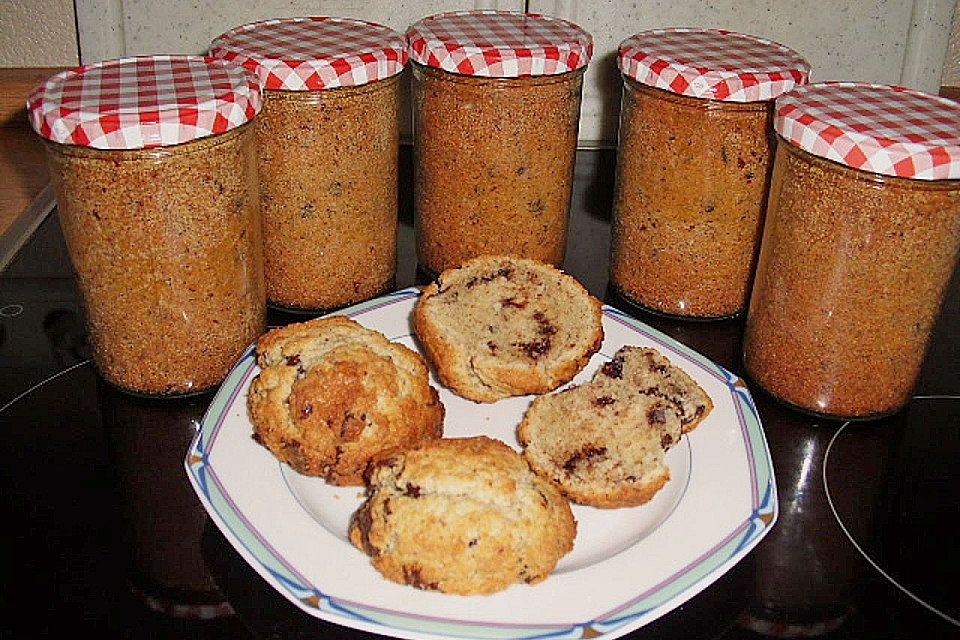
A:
(496, 104)
(861, 238)
(693, 165)
(328, 145)
(153, 162)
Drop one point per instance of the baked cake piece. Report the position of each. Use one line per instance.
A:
(333, 395)
(464, 516)
(501, 326)
(603, 442)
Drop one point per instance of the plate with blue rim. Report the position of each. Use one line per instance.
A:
(628, 567)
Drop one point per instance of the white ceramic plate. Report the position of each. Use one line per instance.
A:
(627, 568)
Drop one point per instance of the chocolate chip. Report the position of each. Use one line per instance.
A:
(545, 328)
(696, 414)
(585, 453)
(307, 210)
(513, 302)
(653, 365)
(502, 272)
(535, 348)
(656, 415)
(543, 498)
(352, 426)
(603, 401)
(411, 490)
(413, 576)
(292, 450)
(613, 368)
(364, 521)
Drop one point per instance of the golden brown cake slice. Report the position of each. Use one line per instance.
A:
(333, 395)
(502, 326)
(603, 442)
(464, 516)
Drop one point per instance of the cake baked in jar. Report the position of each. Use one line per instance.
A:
(861, 239)
(693, 165)
(328, 155)
(496, 105)
(153, 163)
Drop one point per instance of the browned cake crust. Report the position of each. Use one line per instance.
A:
(603, 442)
(333, 395)
(504, 326)
(464, 516)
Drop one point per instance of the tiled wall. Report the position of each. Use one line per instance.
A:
(887, 41)
(951, 64)
(883, 41)
(115, 27)
(37, 33)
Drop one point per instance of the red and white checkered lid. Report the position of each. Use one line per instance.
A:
(499, 44)
(878, 128)
(712, 64)
(144, 102)
(306, 54)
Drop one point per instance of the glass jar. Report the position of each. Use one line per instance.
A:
(861, 239)
(693, 164)
(328, 142)
(158, 206)
(495, 134)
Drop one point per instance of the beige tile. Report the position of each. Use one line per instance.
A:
(883, 41)
(37, 33)
(150, 27)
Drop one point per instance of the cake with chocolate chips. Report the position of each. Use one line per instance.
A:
(502, 326)
(332, 396)
(603, 443)
(463, 516)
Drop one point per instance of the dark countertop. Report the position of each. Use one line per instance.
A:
(95, 497)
